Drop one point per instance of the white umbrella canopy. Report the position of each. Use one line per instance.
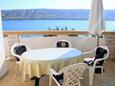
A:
(96, 18)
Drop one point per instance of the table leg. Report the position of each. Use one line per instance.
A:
(36, 82)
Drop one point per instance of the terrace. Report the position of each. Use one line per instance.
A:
(80, 40)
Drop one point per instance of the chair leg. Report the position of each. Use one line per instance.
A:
(79, 83)
(90, 79)
(24, 77)
(102, 72)
(16, 68)
(91, 75)
(50, 80)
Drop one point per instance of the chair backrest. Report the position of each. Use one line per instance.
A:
(72, 74)
(106, 55)
(17, 49)
(63, 44)
(102, 52)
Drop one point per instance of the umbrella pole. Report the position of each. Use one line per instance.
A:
(97, 40)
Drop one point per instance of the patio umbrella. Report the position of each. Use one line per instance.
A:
(96, 19)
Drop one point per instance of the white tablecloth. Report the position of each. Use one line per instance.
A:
(37, 62)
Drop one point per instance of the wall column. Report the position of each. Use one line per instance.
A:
(3, 67)
(2, 54)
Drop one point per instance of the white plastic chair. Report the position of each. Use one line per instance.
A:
(96, 62)
(17, 56)
(70, 75)
(63, 44)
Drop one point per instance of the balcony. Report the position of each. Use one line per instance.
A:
(79, 40)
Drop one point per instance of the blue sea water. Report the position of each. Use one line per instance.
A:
(22, 25)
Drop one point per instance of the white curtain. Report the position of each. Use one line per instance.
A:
(96, 17)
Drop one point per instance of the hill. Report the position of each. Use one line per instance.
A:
(52, 14)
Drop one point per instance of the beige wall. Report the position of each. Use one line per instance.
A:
(82, 43)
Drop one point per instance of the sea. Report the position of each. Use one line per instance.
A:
(28, 25)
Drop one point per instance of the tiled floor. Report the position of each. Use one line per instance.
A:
(15, 79)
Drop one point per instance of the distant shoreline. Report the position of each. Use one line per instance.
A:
(52, 14)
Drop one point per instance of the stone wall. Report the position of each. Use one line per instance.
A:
(110, 42)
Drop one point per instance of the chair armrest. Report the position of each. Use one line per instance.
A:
(18, 56)
(89, 54)
(15, 54)
(28, 48)
(57, 78)
(97, 60)
(53, 72)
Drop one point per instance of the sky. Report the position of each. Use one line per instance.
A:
(52, 4)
